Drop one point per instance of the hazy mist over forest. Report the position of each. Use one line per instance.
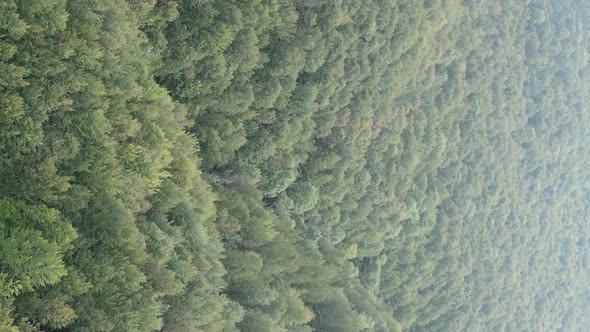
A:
(294, 165)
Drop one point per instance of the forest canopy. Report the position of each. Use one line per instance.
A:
(294, 165)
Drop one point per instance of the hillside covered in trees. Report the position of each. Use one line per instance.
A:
(294, 165)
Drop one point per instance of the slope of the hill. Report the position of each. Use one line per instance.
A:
(307, 165)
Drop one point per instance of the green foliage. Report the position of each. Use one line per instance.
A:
(34, 240)
(205, 165)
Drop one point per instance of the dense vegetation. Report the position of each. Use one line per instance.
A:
(294, 165)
